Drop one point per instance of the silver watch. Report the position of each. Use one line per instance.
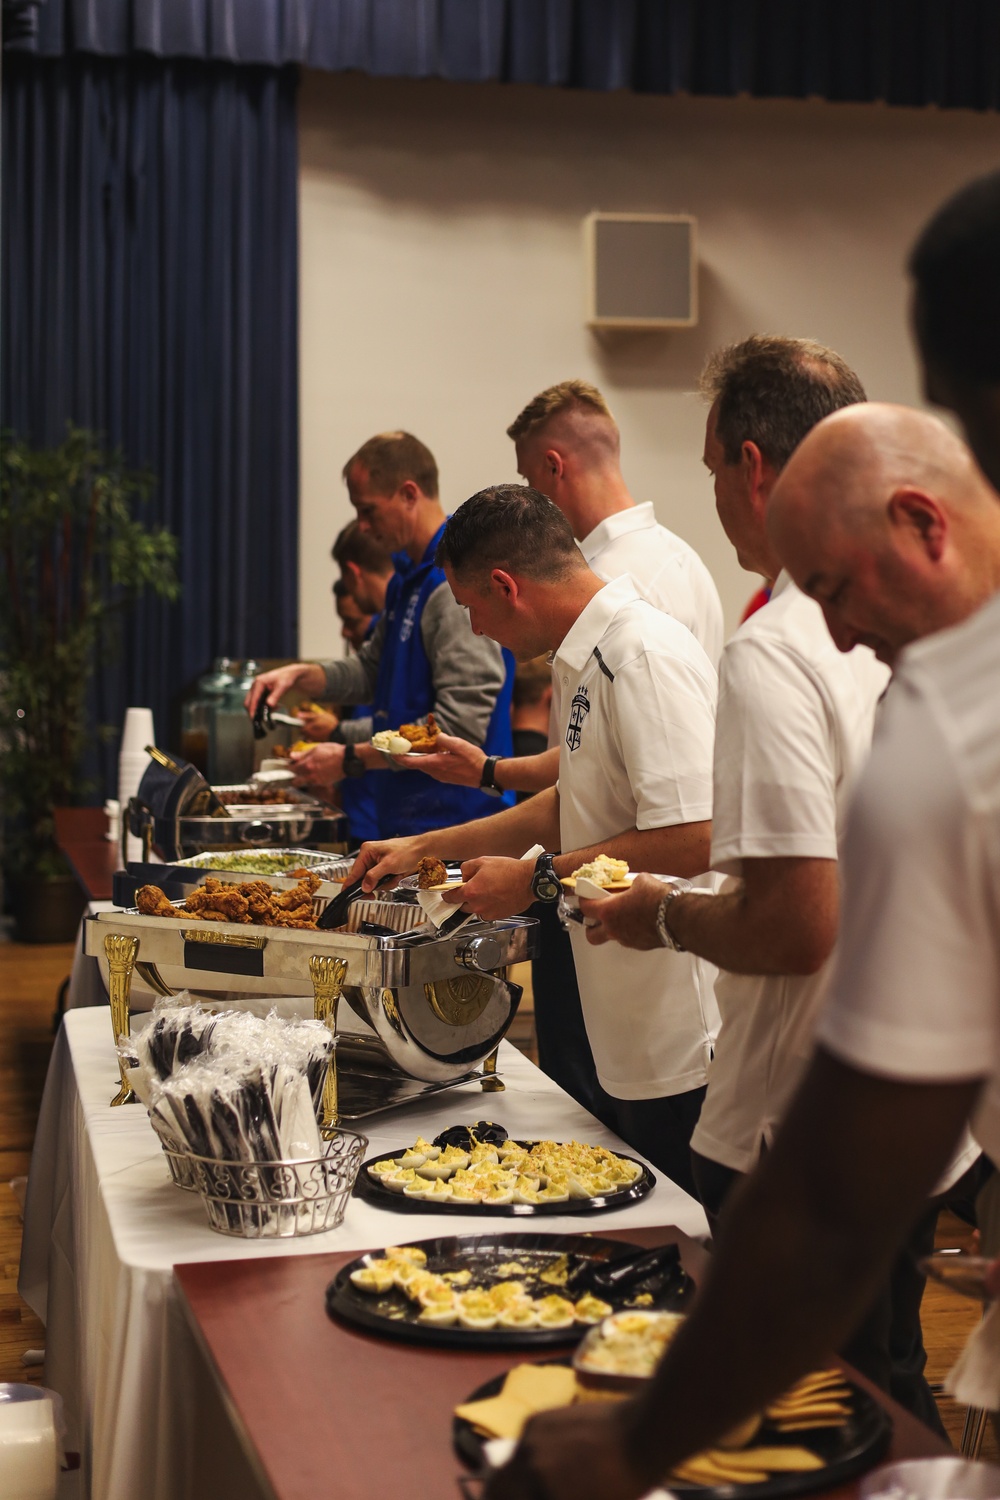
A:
(674, 889)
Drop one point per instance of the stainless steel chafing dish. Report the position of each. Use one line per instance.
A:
(423, 1011)
(178, 814)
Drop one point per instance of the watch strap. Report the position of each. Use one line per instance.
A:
(666, 936)
(545, 884)
(487, 780)
(353, 764)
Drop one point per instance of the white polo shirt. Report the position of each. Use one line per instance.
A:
(793, 732)
(664, 568)
(916, 989)
(635, 700)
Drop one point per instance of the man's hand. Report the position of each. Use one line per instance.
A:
(322, 765)
(629, 919)
(494, 887)
(302, 674)
(577, 1453)
(384, 857)
(317, 724)
(454, 761)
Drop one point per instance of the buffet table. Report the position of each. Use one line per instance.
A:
(104, 1228)
(305, 1421)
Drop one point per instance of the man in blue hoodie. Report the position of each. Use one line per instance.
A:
(423, 656)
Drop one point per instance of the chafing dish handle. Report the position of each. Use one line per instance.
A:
(484, 954)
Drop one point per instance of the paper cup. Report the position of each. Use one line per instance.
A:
(29, 1450)
(137, 731)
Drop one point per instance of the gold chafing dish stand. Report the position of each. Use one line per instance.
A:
(423, 1011)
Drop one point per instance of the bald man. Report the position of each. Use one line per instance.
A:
(909, 1044)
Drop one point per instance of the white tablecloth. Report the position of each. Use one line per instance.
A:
(104, 1227)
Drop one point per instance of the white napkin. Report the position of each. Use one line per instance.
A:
(974, 1380)
(438, 910)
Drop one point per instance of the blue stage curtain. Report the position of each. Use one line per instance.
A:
(913, 52)
(149, 244)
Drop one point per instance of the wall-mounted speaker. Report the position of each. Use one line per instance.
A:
(641, 270)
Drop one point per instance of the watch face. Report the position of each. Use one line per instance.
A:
(546, 889)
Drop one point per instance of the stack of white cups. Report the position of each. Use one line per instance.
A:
(29, 1444)
(137, 733)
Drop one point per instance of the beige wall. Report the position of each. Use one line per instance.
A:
(441, 271)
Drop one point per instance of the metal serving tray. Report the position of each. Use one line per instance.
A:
(439, 1006)
(204, 951)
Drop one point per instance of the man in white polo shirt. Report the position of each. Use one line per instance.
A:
(635, 702)
(568, 447)
(794, 730)
(897, 539)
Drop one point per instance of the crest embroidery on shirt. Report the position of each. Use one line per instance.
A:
(406, 629)
(579, 709)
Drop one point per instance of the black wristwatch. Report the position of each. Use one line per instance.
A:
(545, 882)
(353, 764)
(487, 781)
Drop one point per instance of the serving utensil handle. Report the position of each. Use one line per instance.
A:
(328, 975)
(121, 952)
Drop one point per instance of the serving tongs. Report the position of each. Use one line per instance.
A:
(334, 914)
(645, 1272)
(265, 718)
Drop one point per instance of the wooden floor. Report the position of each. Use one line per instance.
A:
(29, 983)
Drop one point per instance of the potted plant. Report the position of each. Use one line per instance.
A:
(74, 555)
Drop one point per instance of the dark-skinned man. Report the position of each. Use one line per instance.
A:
(898, 1072)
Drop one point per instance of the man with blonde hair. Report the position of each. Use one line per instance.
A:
(569, 448)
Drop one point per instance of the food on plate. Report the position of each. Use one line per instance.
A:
(282, 752)
(392, 742)
(430, 872)
(252, 902)
(555, 1312)
(421, 737)
(449, 1297)
(591, 1309)
(375, 1278)
(603, 871)
(530, 1389)
(538, 1173)
(627, 1343)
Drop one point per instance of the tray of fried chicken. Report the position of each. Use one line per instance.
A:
(252, 902)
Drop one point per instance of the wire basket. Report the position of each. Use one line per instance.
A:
(262, 1200)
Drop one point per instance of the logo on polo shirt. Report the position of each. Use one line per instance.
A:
(406, 629)
(578, 711)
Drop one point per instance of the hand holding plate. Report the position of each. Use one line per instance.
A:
(454, 761)
(629, 918)
(322, 765)
(576, 1453)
